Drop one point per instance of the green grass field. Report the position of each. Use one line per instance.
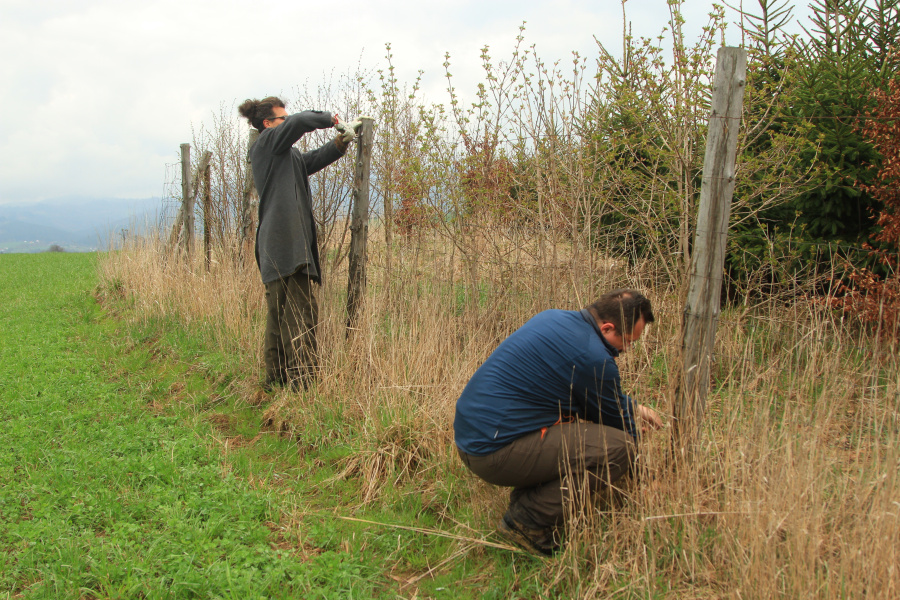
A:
(129, 468)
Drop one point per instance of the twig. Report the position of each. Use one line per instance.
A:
(452, 557)
(696, 514)
(460, 538)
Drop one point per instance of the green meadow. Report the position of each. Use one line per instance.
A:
(140, 459)
(129, 468)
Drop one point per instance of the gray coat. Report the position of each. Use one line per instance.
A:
(286, 237)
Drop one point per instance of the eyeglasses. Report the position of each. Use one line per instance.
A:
(276, 118)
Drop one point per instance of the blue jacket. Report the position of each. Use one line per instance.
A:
(556, 366)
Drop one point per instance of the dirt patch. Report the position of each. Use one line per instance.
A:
(222, 423)
(282, 539)
(274, 420)
(240, 441)
(258, 398)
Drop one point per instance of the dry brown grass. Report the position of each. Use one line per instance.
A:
(795, 489)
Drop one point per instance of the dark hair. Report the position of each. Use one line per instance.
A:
(622, 305)
(257, 111)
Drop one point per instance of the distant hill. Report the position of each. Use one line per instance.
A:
(22, 236)
(76, 224)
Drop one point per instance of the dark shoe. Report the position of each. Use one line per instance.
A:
(270, 385)
(536, 541)
(298, 380)
(296, 384)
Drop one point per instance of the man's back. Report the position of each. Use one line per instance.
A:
(557, 365)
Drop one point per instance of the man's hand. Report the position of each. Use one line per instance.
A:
(356, 124)
(348, 131)
(345, 132)
(649, 419)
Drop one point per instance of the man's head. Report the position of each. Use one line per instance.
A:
(265, 113)
(621, 316)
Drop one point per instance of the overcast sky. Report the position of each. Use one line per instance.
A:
(97, 95)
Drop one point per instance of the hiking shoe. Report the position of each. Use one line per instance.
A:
(535, 541)
(270, 385)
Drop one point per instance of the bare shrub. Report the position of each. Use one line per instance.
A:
(516, 206)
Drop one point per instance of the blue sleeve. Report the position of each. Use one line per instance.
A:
(600, 387)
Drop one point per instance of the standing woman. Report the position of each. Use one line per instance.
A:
(286, 246)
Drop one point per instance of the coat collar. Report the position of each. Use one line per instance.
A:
(587, 316)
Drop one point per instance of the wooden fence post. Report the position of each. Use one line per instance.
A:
(701, 311)
(388, 174)
(175, 234)
(204, 172)
(187, 199)
(183, 229)
(359, 221)
(248, 214)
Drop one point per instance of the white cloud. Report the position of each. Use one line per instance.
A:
(98, 94)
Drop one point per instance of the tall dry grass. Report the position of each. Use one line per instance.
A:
(794, 491)
(555, 185)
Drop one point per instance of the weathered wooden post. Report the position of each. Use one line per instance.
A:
(187, 199)
(183, 232)
(175, 234)
(388, 173)
(207, 205)
(359, 221)
(248, 214)
(701, 311)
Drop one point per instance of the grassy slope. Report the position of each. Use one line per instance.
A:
(129, 468)
(102, 496)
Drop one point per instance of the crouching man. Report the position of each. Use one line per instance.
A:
(545, 414)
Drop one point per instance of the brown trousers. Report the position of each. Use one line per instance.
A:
(546, 468)
(290, 351)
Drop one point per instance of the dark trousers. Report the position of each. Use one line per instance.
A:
(290, 351)
(544, 469)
